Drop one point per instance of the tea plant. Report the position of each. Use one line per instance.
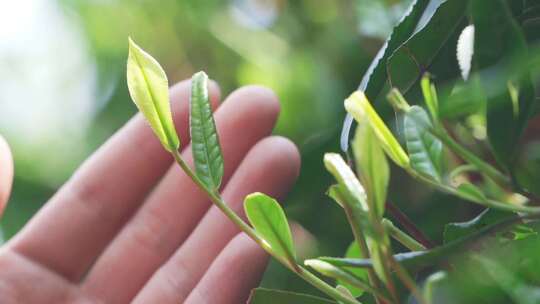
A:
(492, 57)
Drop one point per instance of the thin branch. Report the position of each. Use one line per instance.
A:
(408, 225)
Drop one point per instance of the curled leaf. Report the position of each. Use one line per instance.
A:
(346, 179)
(360, 108)
(430, 96)
(372, 165)
(149, 90)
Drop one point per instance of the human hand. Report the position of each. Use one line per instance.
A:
(131, 226)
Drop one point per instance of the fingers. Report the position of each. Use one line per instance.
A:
(270, 167)
(175, 207)
(237, 269)
(6, 174)
(78, 222)
(23, 281)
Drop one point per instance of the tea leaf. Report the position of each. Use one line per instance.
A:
(204, 138)
(360, 108)
(353, 206)
(354, 252)
(430, 97)
(455, 231)
(439, 26)
(372, 165)
(268, 219)
(375, 77)
(527, 170)
(413, 261)
(149, 90)
(499, 39)
(270, 296)
(514, 285)
(425, 150)
(334, 272)
(430, 285)
(471, 192)
(335, 164)
(344, 291)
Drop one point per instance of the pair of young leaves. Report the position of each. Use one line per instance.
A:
(149, 89)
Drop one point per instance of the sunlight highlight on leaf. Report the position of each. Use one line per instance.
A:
(270, 222)
(359, 106)
(149, 89)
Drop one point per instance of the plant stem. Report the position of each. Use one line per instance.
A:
(481, 165)
(407, 280)
(364, 250)
(216, 199)
(388, 275)
(222, 205)
(488, 202)
(323, 286)
(409, 226)
(402, 237)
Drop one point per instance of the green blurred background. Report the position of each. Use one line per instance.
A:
(63, 90)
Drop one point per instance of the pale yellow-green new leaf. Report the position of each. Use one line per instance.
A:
(360, 108)
(336, 165)
(149, 89)
(372, 166)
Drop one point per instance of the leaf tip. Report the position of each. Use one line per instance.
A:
(353, 105)
(322, 267)
(133, 46)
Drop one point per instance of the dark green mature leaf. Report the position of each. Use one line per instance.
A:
(454, 231)
(430, 37)
(424, 149)
(270, 296)
(515, 287)
(375, 77)
(498, 38)
(527, 170)
(149, 89)
(270, 222)
(204, 138)
(354, 252)
(418, 260)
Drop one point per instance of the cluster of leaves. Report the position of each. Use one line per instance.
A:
(492, 57)
(148, 87)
